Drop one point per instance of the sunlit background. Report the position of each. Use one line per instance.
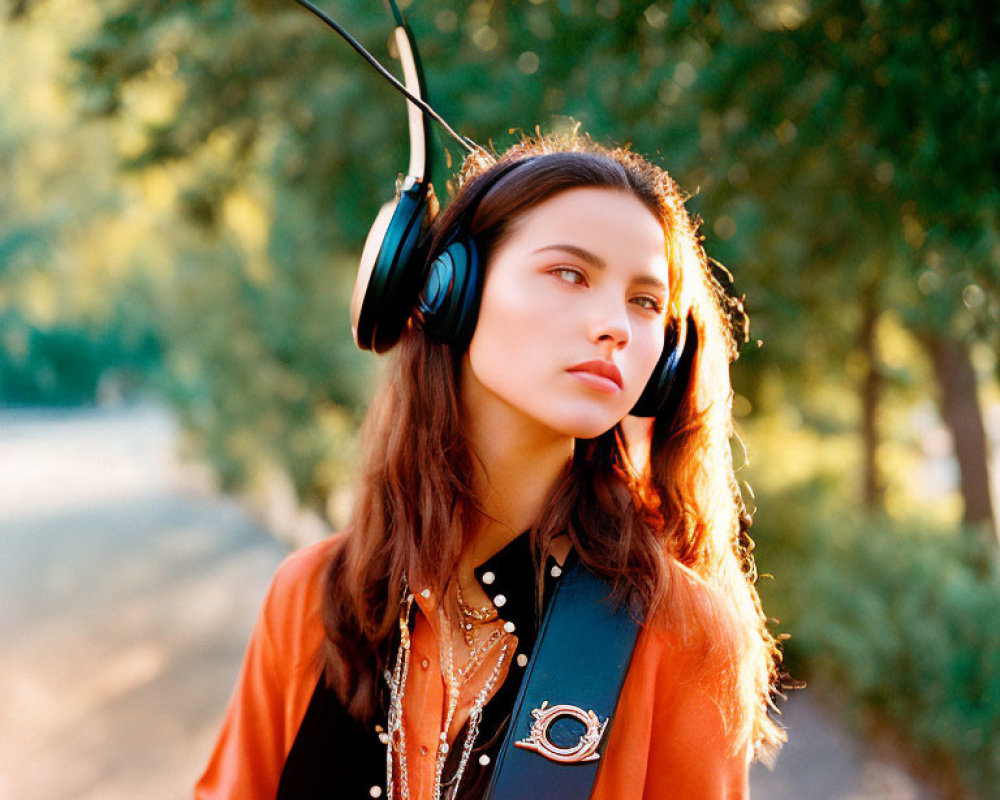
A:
(185, 190)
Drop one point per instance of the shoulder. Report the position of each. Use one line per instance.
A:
(694, 612)
(696, 644)
(298, 576)
(292, 614)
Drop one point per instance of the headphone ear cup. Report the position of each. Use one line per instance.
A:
(389, 273)
(665, 389)
(449, 301)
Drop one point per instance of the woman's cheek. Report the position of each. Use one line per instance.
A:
(648, 354)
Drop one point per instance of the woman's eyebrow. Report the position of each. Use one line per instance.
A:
(591, 258)
(599, 263)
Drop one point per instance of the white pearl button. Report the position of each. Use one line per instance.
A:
(375, 791)
(522, 660)
(488, 578)
(484, 759)
(499, 600)
(425, 594)
(509, 627)
(556, 571)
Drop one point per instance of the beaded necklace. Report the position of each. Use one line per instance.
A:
(396, 740)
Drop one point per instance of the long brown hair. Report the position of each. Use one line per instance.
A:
(668, 536)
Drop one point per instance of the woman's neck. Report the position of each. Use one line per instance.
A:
(517, 463)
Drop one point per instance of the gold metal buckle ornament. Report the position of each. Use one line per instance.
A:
(584, 750)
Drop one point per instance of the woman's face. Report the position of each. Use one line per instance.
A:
(572, 318)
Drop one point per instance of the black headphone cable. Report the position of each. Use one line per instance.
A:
(465, 142)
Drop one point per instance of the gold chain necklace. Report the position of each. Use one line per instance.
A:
(471, 617)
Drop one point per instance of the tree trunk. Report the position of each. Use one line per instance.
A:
(960, 409)
(871, 391)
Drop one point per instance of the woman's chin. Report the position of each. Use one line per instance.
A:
(583, 426)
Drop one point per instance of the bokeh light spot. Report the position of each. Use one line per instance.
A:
(685, 74)
(884, 172)
(656, 17)
(485, 38)
(446, 20)
(929, 281)
(527, 62)
(973, 296)
(166, 63)
(786, 132)
(725, 227)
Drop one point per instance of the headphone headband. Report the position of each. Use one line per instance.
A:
(481, 185)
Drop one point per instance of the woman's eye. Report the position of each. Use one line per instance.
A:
(651, 303)
(569, 274)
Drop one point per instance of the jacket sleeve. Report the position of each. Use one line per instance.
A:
(276, 680)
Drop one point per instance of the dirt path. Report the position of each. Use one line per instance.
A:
(127, 594)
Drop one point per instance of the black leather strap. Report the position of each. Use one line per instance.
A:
(580, 659)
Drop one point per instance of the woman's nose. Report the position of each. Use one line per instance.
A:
(610, 324)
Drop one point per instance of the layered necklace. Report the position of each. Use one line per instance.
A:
(470, 620)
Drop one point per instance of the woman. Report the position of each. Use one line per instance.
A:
(386, 660)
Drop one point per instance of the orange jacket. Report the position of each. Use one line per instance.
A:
(668, 739)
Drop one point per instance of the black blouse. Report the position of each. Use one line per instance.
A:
(335, 756)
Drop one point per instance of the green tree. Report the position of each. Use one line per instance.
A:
(885, 120)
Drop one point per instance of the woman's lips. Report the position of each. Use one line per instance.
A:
(601, 375)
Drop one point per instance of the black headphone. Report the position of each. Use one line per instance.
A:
(448, 304)
(392, 283)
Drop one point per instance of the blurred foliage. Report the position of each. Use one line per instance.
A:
(72, 329)
(66, 365)
(892, 617)
(110, 244)
(261, 373)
